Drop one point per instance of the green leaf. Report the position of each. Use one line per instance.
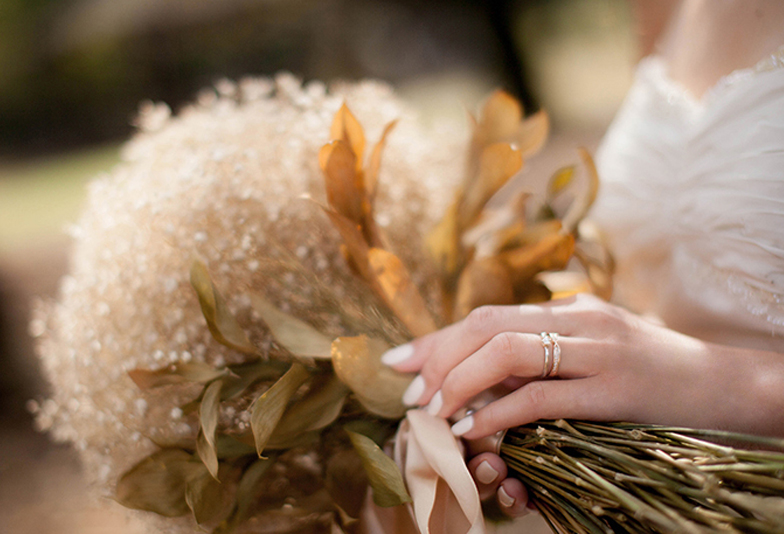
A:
(157, 483)
(222, 324)
(319, 408)
(382, 472)
(269, 407)
(210, 500)
(208, 417)
(176, 373)
(297, 337)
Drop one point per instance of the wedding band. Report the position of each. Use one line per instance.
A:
(556, 355)
(547, 343)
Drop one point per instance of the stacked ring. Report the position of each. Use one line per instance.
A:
(551, 346)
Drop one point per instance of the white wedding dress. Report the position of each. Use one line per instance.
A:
(692, 200)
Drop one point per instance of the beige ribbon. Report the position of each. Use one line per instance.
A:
(445, 498)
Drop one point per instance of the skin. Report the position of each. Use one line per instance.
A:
(615, 365)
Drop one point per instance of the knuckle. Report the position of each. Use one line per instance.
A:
(502, 348)
(536, 397)
(479, 318)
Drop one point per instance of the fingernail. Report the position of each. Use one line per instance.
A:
(485, 473)
(397, 355)
(504, 499)
(463, 426)
(414, 391)
(435, 403)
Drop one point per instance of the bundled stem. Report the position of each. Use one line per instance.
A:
(617, 477)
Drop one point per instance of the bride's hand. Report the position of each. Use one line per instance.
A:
(614, 366)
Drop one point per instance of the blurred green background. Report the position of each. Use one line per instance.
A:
(72, 75)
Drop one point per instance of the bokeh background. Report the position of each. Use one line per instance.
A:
(72, 75)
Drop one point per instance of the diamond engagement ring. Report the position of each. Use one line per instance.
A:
(551, 347)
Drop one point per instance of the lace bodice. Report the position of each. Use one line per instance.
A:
(693, 203)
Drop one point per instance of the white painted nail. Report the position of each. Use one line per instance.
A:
(414, 391)
(504, 498)
(485, 473)
(463, 426)
(397, 355)
(435, 403)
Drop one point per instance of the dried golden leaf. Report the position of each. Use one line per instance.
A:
(346, 128)
(208, 419)
(443, 243)
(222, 324)
(552, 252)
(500, 118)
(585, 199)
(211, 500)
(296, 336)
(559, 181)
(356, 247)
(269, 407)
(530, 235)
(319, 408)
(483, 281)
(400, 293)
(157, 483)
(176, 373)
(383, 474)
(532, 133)
(497, 164)
(346, 481)
(374, 165)
(599, 271)
(534, 292)
(357, 363)
(345, 188)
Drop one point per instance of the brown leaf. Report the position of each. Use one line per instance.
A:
(586, 197)
(208, 420)
(357, 363)
(319, 408)
(345, 188)
(346, 481)
(176, 373)
(483, 281)
(157, 483)
(400, 293)
(345, 127)
(244, 375)
(269, 407)
(222, 324)
(296, 336)
(248, 490)
(497, 164)
(383, 474)
(552, 252)
(212, 500)
(374, 165)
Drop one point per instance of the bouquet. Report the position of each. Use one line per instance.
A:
(285, 431)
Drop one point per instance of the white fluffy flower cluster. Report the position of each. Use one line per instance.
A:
(223, 181)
